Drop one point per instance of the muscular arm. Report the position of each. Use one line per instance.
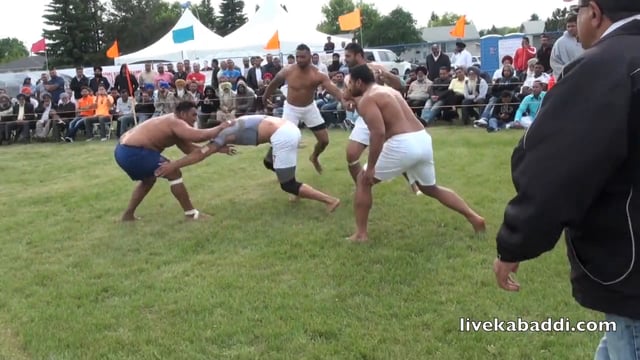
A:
(389, 78)
(195, 156)
(187, 147)
(277, 81)
(186, 133)
(330, 87)
(370, 113)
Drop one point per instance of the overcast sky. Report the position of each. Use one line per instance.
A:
(25, 21)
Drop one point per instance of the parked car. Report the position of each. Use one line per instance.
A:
(381, 56)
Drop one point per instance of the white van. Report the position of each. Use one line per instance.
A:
(381, 56)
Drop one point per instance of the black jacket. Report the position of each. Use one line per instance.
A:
(434, 66)
(576, 169)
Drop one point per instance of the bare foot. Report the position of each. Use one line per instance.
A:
(293, 198)
(129, 217)
(201, 216)
(358, 238)
(316, 164)
(333, 205)
(478, 223)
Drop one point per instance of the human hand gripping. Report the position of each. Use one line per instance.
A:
(504, 274)
(166, 167)
(228, 149)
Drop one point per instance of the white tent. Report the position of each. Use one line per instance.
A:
(166, 50)
(252, 38)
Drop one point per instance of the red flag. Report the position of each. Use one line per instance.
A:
(128, 75)
(39, 46)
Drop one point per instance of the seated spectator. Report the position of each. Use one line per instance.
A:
(504, 112)
(529, 106)
(64, 114)
(24, 115)
(475, 95)
(209, 105)
(457, 86)
(538, 75)
(6, 116)
(102, 116)
(181, 92)
(506, 60)
(227, 109)
(508, 82)
(44, 117)
(166, 101)
(86, 108)
(245, 100)
(192, 89)
(437, 96)
(144, 111)
(418, 92)
(330, 105)
(124, 111)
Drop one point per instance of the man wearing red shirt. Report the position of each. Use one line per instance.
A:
(523, 55)
(197, 77)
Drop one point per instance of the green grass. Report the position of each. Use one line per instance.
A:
(264, 279)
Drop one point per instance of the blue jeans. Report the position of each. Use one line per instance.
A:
(489, 108)
(496, 124)
(622, 344)
(327, 111)
(431, 110)
(74, 126)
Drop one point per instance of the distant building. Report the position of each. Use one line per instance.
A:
(29, 63)
(533, 30)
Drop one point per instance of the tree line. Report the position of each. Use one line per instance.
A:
(80, 31)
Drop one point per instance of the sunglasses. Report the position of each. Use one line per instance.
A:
(574, 9)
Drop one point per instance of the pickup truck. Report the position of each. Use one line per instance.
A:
(381, 56)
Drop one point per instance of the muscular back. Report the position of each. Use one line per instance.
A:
(155, 133)
(396, 113)
(301, 84)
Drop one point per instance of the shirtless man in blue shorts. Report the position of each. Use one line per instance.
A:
(253, 130)
(139, 154)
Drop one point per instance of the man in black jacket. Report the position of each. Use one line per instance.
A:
(436, 61)
(576, 169)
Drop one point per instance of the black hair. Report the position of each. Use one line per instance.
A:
(573, 18)
(303, 47)
(355, 48)
(506, 94)
(291, 57)
(445, 68)
(184, 106)
(526, 38)
(363, 73)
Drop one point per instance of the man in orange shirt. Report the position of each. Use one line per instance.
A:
(523, 55)
(86, 108)
(103, 102)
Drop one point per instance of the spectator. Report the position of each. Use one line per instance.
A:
(567, 48)
(475, 94)
(503, 113)
(529, 106)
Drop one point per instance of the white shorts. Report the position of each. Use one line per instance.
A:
(360, 132)
(526, 121)
(309, 115)
(410, 153)
(284, 144)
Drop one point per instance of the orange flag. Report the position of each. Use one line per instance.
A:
(350, 21)
(113, 51)
(458, 29)
(274, 42)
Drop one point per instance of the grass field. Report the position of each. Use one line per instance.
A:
(265, 279)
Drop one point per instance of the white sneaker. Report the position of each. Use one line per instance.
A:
(104, 139)
(481, 122)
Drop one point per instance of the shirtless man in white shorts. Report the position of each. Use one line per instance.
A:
(359, 138)
(398, 143)
(302, 81)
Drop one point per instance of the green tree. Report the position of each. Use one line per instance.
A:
(206, 14)
(534, 17)
(139, 23)
(557, 21)
(12, 49)
(76, 34)
(499, 31)
(370, 16)
(399, 27)
(231, 17)
(446, 19)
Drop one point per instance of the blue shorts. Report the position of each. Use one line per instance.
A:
(139, 163)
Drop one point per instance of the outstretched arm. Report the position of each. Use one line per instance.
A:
(330, 87)
(198, 154)
(277, 81)
(187, 133)
(389, 78)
